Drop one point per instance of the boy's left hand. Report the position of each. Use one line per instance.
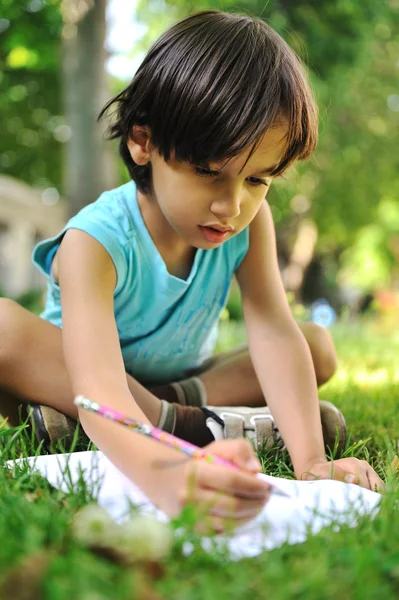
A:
(348, 470)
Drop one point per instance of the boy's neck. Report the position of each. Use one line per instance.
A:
(176, 253)
(157, 225)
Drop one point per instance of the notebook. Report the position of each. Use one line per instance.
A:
(312, 505)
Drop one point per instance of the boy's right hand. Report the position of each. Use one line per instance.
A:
(224, 497)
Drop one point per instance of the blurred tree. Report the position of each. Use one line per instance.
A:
(326, 34)
(89, 167)
(52, 94)
(30, 102)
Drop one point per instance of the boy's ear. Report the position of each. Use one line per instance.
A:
(139, 144)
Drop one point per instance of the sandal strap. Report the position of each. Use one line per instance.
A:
(257, 427)
(264, 430)
(233, 426)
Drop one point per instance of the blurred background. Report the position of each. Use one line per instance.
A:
(337, 215)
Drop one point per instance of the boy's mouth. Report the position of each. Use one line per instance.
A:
(211, 234)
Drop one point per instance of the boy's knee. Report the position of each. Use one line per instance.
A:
(10, 328)
(323, 352)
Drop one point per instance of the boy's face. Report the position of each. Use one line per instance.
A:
(205, 207)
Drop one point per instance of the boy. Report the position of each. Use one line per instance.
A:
(137, 280)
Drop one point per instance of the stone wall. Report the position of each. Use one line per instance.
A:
(25, 219)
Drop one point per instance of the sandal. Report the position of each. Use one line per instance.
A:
(53, 428)
(258, 425)
(334, 428)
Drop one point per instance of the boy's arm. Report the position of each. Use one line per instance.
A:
(95, 367)
(279, 352)
(87, 279)
(282, 360)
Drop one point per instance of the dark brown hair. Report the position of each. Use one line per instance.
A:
(209, 88)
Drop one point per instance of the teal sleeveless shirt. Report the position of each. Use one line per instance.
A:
(167, 326)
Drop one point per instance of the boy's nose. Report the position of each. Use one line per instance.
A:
(227, 206)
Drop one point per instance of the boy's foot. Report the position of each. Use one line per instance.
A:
(258, 425)
(334, 427)
(53, 427)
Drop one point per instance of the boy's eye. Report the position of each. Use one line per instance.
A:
(202, 172)
(256, 181)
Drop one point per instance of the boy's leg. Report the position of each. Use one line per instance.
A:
(32, 368)
(229, 379)
(233, 382)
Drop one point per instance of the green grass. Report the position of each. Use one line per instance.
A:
(40, 559)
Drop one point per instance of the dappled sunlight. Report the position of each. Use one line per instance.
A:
(364, 378)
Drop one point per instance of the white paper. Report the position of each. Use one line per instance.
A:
(312, 505)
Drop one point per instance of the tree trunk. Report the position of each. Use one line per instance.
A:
(89, 165)
(301, 257)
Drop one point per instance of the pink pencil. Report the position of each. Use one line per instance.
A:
(161, 436)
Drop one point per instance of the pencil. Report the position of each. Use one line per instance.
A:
(161, 436)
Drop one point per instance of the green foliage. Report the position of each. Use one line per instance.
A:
(308, 25)
(32, 300)
(234, 306)
(30, 103)
(370, 262)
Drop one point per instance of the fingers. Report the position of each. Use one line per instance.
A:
(234, 482)
(358, 472)
(222, 494)
(239, 451)
(219, 513)
(376, 483)
(365, 476)
(348, 470)
(218, 504)
(231, 496)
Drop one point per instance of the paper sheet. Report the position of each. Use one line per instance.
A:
(312, 505)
